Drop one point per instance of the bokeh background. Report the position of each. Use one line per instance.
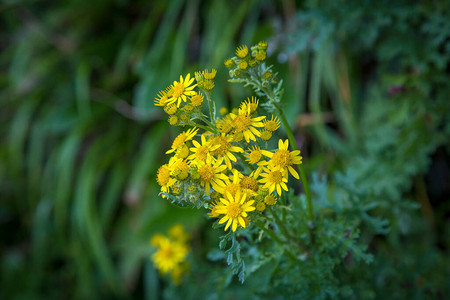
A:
(367, 87)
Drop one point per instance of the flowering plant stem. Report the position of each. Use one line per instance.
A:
(273, 236)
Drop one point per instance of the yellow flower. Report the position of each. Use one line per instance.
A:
(209, 75)
(253, 155)
(274, 179)
(196, 100)
(169, 255)
(244, 123)
(224, 149)
(163, 97)
(260, 206)
(242, 51)
(266, 135)
(235, 210)
(225, 125)
(179, 168)
(182, 89)
(272, 125)
(182, 138)
(232, 184)
(178, 233)
(201, 152)
(223, 111)
(252, 104)
(270, 199)
(283, 158)
(211, 175)
(260, 55)
(173, 120)
(213, 208)
(250, 183)
(229, 63)
(163, 178)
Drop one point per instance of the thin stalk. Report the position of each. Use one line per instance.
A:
(273, 236)
(300, 167)
(208, 97)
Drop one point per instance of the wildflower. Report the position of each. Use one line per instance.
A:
(260, 55)
(266, 135)
(243, 65)
(283, 158)
(182, 138)
(171, 109)
(182, 89)
(232, 184)
(200, 152)
(196, 100)
(163, 178)
(262, 45)
(169, 255)
(244, 123)
(178, 233)
(235, 210)
(249, 183)
(211, 175)
(274, 179)
(272, 125)
(270, 199)
(213, 208)
(260, 206)
(225, 148)
(242, 51)
(223, 111)
(250, 105)
(162, 98)
(173, 120)
(208, 85)
(229, 63)
(225, 125)
(254, 155)
(209, 75)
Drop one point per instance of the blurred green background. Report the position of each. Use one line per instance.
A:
(366, 87)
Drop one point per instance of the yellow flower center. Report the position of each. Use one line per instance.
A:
(178, 90)
(275, 176)
(270, 199)
(255, 156)
(242, 122)
(206, 173)
(249, 183)
(166, 253)
(271, 125)
(233, 210)
(232, 188)
(282, 158)
(224, 145)
(266, 135)
(183, 152)
(163, 176)
(197, 100)
(179, 140)
(202, 153)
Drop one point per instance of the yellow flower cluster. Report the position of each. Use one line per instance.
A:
(246, 60)
(224, 164)
(171, 252)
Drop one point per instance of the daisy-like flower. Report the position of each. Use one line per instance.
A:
(235, 210)
(242, 51)
(209, 75)
(169, 255)
(196, 100)
(232, 184)
(182, 89)
(225, 148)
(211, 175)
(283, 158)
(272, 125)
(250, 103)
(249, 184)
(274, 179)
(245, 124)
(182, 138)
(163, 178)
(225, 125)
(270, 199)
(201, 152)
(163, 97)
(213, 207)
(254, 155)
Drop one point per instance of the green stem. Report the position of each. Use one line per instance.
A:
(273, 236)
(300, 167)
(201, 126)
(208, 97)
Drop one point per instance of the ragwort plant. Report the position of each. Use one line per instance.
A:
(226, 164)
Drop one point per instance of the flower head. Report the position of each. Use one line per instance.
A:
(211, 175)
(235, 209)
(182, 89)
(245, 124)
(274, 179)
(272, 125)
(182, 138)
(283, 158)
(242, 51)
